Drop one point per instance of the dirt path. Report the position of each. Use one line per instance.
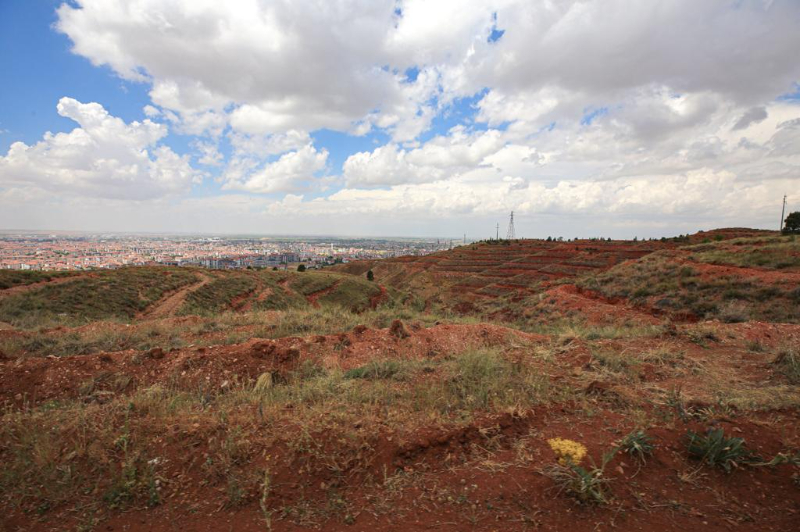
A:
(313, 297)
(378, 298)
(168, 305)
(8, 292)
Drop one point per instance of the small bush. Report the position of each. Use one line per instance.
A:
(586, 485)
(715, 449)
(788, 362)
(734, 312)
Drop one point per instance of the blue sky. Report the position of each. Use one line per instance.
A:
(44, 69)
(37, 61)
(397, 117)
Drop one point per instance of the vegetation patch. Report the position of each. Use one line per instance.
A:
(219, 293)
(776, 253)
(119, 294)
(11, 278)
(662, 283)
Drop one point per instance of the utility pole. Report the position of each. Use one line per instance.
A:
(783, 211)
(497, 235)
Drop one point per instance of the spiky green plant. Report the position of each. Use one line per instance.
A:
(637, 444)
(586, 484)
(715, 449)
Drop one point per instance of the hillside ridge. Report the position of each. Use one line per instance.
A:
(438, 395)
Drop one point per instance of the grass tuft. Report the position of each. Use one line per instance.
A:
(379, 369)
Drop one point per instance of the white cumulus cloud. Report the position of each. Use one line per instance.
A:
(104, 157)
(288, 173)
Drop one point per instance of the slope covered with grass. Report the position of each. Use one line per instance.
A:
(776, 253)
(711, 281)
(102, 295)
(11, 278)
(219, 294)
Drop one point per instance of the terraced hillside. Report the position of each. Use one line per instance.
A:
(470, 275)
(143, 307)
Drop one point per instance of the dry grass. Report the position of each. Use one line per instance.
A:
(660, 281)
(777, 253)
(220, 328)
(58, 450)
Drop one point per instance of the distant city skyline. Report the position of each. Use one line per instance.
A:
(61, 252)
(398, 117)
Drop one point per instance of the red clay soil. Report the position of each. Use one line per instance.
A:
(763, 275)
(730, 233)
(35, 380)
(596, 308)
(486, 271)
(243, 301)
(487, 475)
(263, 294)
(379, 298)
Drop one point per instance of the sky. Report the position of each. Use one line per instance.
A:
(587, 118)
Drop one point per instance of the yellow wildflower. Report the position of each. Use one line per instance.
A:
(567, 451)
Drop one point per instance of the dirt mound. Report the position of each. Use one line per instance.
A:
(398, 330)
(35, 380)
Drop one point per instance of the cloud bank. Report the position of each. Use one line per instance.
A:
(619, 112)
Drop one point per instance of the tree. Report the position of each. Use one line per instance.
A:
(792, 225)
(301, 268)
(370, 276)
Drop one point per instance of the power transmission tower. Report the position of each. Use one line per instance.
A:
(783, 211)
(511, 235)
